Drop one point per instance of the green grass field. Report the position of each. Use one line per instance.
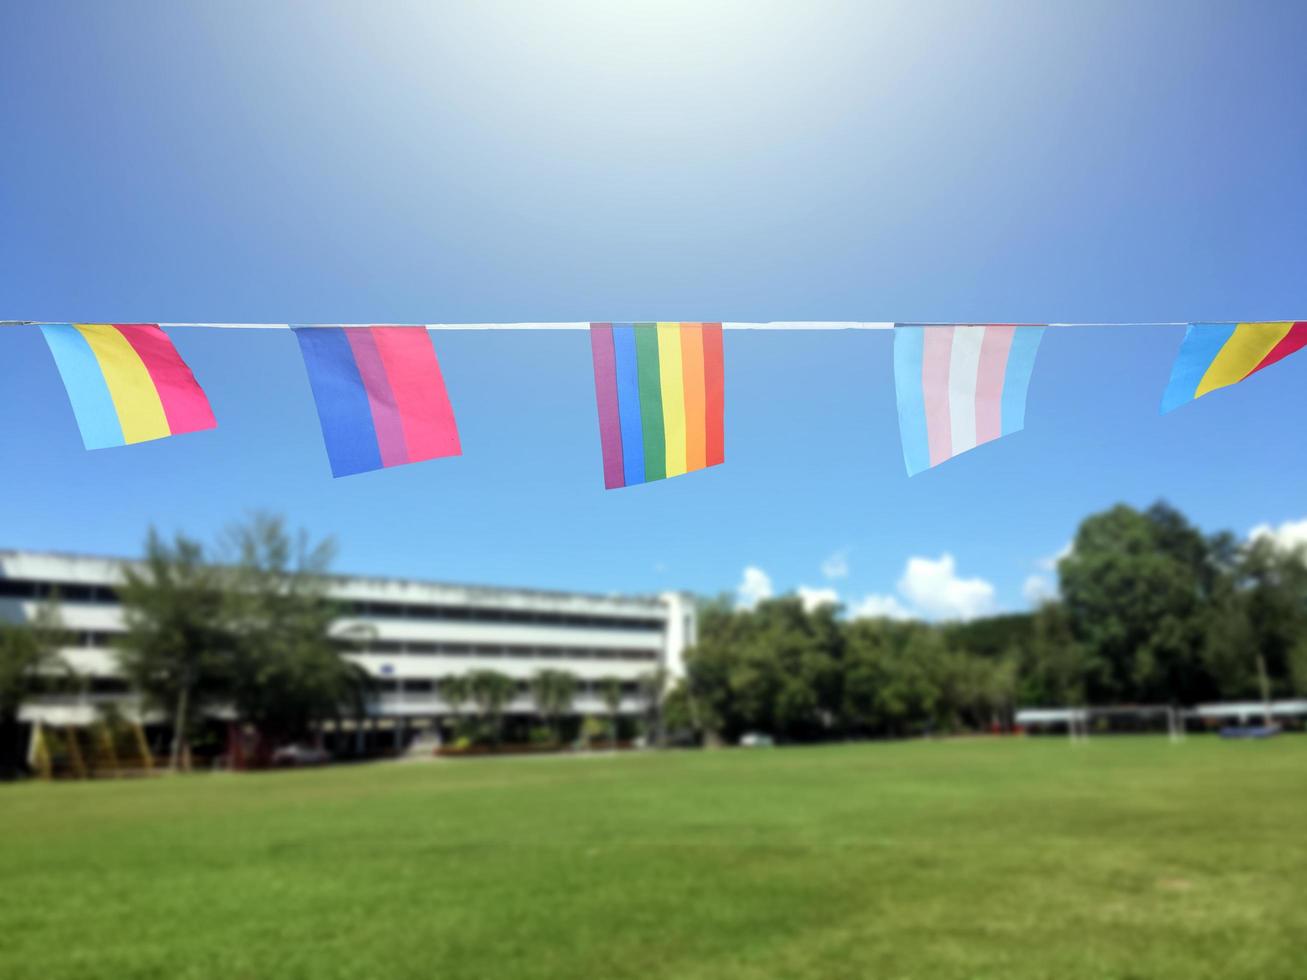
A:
(1128, 857)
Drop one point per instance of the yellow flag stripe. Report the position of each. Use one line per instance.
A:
(673, 386)
(1245, 349)
(135, 398)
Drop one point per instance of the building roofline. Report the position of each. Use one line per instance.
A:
(487, 591)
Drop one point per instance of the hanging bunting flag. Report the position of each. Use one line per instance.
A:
(960, 386)
(126, 383)
(659, 388)
(380, 396)
(1217, 355)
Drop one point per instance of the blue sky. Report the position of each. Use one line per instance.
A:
(393, 163)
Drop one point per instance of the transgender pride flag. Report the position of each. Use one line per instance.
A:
(960, 386)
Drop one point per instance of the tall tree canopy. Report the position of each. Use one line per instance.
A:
(553, 692)
(178, 642)
(287, 669)
(1136, 587)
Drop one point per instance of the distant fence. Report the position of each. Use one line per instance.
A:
(1077, 722)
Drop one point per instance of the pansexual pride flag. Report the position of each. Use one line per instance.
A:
(380, 396)
(1216, 355)
(960, 386)
(660, 394)
(126, 383)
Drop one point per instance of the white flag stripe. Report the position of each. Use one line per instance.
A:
(964, 366)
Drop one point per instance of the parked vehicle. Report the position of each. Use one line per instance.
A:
(300, 755)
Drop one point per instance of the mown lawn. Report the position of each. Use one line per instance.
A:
(1128, 857)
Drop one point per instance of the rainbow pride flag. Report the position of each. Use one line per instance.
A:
(959, 387)
(660, 392)
(1217, 355)
(380, 395)
(126, 383)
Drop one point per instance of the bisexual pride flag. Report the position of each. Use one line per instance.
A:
(960, 386)
(126, 383)
(380, 396)
(660, 394)
(1216, 355)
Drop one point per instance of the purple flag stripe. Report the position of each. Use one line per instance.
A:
(610, 425)
(381, 398)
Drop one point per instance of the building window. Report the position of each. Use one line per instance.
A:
(107, 685)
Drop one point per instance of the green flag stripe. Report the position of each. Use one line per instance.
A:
(651, 401)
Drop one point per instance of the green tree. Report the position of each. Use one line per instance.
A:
(1298, 669)
(30, 665)
(776, 669)
(553, 692)
(1271, 585)
(890, 683)
(610, 690)
(177, 645)
(491, 691)
(287, 672)
(1135, 587)
(650, 687)
(455, 691)
(681, 714)
(1052, 668)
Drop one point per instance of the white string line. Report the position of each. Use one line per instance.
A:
(574, 325)
(726, 325)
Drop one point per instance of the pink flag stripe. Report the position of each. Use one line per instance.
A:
(989, 382)
(184, 404)
(414, 372)
(936, 352)
(381, 398)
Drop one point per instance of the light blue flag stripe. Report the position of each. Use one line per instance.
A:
(88, 393)
(908, 347)
(1016, 380)
(1202, 342)
(628, 402)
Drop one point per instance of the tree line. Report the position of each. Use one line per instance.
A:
(553, 694)
(1150, 610)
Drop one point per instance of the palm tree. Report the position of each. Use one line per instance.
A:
(491, 691)
(455, 691)
(610, 689)
(30, 664)
(652, 686)
(176, 645)
(554, 691)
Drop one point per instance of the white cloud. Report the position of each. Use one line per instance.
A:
(1287, 537)
(836, 566)
(928, 589)
(1049, 564)
(1037, 589)
(814, 597)
(934, 588)
(755, 586)
(879, 607)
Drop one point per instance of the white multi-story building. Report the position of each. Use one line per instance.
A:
(415, 633)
